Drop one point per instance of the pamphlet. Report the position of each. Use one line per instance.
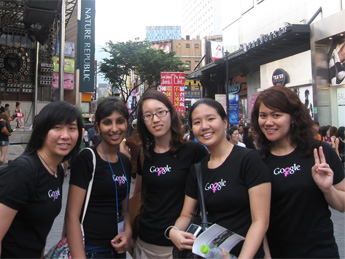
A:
(216, 236)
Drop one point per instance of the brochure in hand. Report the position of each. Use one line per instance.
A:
(216, 236)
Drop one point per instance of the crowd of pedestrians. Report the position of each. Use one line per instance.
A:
(271, 182)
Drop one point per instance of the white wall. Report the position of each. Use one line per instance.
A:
(297, 66)
(268, 15)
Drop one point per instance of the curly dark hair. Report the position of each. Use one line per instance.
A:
(283, 99)
(146, 137)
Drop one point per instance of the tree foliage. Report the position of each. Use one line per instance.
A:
(146, 62)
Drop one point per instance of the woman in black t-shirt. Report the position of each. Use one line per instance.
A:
(235, 181)
(31, 186)
(307, 177)
(106, 224)
(162, 180)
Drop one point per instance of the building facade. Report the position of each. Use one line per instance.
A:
(300, 41)
(161, 33)
(201, 18)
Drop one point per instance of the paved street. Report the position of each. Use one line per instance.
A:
(55, 233)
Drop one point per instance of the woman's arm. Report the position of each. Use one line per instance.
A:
(75, 200)
(124, 149)
(122, 241)
(138, 183)
(260, 200)
(337, 147)
(179, 237)
(7, 215)
(323, 176)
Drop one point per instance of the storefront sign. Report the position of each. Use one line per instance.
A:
(192, 94)
(172, 85)
(86, 46)
(237, 84)
(279, 77)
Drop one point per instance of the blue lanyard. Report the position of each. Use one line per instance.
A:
(114, 178)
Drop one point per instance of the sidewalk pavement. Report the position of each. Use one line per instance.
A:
(55, 234)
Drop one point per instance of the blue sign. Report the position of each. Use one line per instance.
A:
(279, 77)
(233, 112)
(192, 94)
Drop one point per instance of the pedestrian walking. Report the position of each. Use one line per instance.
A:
(5, 132)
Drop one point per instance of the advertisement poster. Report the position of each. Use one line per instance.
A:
(233, 109)
(221, 98)
(341, 105)
(68, 67)
(305, 94)
(68, 81)
(252, 99)
(216, 50)
(172, 85)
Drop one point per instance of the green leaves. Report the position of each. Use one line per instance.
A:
(126, 58)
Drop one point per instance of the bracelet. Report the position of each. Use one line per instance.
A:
(166, 231)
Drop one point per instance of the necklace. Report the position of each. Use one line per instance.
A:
(55, 172)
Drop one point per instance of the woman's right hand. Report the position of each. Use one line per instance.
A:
(181, 239)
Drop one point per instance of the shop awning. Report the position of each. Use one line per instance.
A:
(287, 41)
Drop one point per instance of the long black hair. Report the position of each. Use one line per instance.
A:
(53, 114)
(146, 137)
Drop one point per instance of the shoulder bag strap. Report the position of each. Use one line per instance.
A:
(204, 223)
(88, 193)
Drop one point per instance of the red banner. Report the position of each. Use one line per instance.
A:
(172, 85)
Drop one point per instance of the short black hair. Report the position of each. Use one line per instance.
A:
(54, 113)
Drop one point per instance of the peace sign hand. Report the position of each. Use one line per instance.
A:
(321, 172)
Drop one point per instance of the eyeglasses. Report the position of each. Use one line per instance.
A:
(149, 116)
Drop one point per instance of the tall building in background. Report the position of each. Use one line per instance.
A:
(201, 18)
(159, 33)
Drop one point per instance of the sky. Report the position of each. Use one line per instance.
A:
(119, 20)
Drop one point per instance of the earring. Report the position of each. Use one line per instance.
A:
(293, 125)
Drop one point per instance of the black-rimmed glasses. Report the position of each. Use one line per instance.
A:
(149, 116)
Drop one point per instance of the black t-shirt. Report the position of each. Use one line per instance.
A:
(100, 223)
(164, 180)
(300, 224)
(37, 196)
(226, 190)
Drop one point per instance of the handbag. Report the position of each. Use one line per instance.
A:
(197, 219)
(61, 249)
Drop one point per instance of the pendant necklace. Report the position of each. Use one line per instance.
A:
(55, 172)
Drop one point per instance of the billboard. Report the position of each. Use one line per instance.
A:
(68, 66)
(172, 85)
(216, 50)
(68, 79)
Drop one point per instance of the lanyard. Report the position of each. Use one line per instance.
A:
(114, 178)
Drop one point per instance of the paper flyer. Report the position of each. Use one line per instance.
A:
(216, 235)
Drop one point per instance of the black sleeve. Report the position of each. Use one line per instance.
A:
(81, 169)
(17, 183)
(200, 152)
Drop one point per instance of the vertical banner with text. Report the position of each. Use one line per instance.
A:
(86, 46)
(172, 85)
(233, 109)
